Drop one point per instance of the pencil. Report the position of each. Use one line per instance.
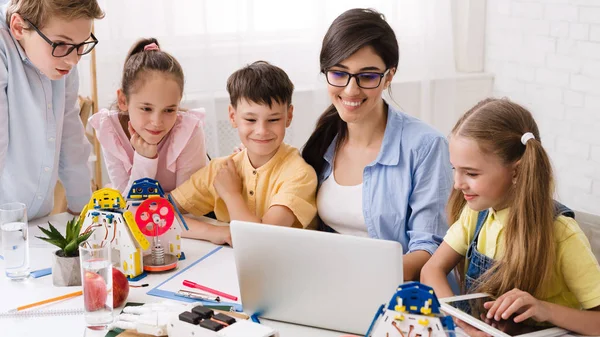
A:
(53, 299)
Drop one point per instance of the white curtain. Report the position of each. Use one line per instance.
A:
(213, 38)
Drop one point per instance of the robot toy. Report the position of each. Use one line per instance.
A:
(144, 230)
(413, 311)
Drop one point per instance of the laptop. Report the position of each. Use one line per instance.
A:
(318, 279)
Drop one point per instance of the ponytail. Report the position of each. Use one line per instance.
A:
(328, 126)
(530, 229)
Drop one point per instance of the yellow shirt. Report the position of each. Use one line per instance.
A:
(576, 276)
(286, 179)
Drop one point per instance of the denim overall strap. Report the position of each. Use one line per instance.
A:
(480, 220)
(560, 209)
(478, 263)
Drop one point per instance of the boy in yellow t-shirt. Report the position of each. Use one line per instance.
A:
(268, 181)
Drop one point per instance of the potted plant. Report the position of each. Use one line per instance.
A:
(65, 264)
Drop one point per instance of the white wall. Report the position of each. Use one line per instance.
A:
(545, 54)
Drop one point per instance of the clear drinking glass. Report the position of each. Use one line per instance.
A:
(96, 280)
(15, 240)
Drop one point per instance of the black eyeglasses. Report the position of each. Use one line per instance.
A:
(366, 80)
(60, 49)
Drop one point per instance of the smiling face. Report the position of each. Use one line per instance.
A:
(483, 178)
(39, 51)
(152, 107)
(261, 128)
(352, 102)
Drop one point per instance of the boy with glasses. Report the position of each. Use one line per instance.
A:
(41, 135)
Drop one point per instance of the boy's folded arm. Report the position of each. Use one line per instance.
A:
(279, 215)
(75, 149)
(204, 231)
(295, 199)
(197, 229)
(238, 210)
(275, 215)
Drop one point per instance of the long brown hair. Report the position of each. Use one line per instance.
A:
(139, 63)
(352, 30)
(497, 125)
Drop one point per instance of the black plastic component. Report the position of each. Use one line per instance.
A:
(203, 312)
(190, 317)
(211, 325)
(224, 318)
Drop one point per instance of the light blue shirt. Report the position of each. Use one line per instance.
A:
(406, 188)
(41, 134)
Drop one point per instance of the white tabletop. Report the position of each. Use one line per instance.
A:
(17, 293)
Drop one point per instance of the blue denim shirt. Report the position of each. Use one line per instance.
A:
(405, 190)
(41, 134)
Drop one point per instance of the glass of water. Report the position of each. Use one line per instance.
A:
(15, 240)
(96, 279)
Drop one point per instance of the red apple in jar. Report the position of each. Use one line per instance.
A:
(120, 287)
(94, 295)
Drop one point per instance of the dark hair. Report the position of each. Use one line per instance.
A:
(352, 30)
(497, 126)
(261, 83)
(140, 63)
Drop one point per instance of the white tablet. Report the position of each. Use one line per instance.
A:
(469, 308)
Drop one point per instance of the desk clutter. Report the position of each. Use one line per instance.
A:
(187, 320)
(200, 321)
(145, 231)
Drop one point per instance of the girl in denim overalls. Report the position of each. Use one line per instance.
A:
(510, 238)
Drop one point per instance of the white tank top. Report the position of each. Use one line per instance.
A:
(340, 207)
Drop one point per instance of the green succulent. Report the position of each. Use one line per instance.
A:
(69, 245)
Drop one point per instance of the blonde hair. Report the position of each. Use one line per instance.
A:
(497, 126)
(38, 12)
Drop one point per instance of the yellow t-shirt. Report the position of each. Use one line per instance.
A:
(576, 276)
(286, 179)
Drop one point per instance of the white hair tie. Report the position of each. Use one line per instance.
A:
(527, 136)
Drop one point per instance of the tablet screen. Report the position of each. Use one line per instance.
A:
(474, 307)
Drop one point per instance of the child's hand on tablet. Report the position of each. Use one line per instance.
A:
(517, 302)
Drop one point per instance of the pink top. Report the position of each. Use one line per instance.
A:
(181, 153)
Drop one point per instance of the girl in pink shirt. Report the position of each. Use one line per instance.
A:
(148, 136)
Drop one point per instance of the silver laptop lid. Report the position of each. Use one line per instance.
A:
(318, 279)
